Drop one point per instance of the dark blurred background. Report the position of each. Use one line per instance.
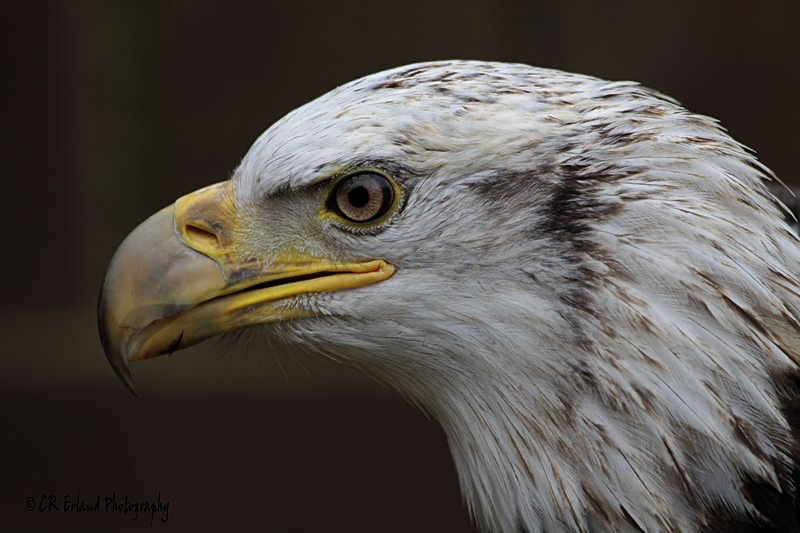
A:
(117, 108)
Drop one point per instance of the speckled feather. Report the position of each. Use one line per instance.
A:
(596, 296)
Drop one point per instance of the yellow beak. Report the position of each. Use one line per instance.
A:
(178, 279)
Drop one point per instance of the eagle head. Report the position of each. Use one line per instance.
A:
(589, 287)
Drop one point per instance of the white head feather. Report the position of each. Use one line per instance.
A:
(596, 296)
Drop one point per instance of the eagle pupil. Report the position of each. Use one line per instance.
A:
(358, 196)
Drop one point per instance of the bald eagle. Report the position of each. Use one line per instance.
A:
(589, 287)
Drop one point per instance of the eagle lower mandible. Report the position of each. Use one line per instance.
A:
(589, 287)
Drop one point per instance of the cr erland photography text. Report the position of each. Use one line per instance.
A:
(98, 503)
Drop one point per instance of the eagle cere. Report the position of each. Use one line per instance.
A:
(589, 287)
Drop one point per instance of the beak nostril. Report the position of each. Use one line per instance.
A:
(201, 236)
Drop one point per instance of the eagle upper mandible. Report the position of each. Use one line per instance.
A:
(588, 286)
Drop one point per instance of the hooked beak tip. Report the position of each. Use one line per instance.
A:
(117, 360)
(124, 374)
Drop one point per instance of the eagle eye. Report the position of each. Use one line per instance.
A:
(363, 197)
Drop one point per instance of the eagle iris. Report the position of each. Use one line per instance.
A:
(363, 197)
